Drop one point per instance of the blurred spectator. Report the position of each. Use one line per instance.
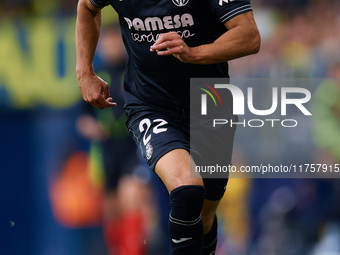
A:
(14, 7)
(127, 201)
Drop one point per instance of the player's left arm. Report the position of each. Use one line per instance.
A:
(241, 39)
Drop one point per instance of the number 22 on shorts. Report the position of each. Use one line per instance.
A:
(145, 125)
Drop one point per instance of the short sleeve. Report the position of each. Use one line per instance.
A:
(99, 3)
(228, 9)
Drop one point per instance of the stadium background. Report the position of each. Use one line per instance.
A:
(40, 103)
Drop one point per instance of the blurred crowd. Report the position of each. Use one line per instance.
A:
(17, 8)
(42, 133)
(299, 39)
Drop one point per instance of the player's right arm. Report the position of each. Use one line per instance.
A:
(93, 89)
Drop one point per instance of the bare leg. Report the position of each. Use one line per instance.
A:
(186, 200)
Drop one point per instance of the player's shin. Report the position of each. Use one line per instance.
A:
(185, 220)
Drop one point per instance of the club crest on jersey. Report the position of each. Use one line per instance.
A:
(180, 3)
(226, 1)
(149, 151)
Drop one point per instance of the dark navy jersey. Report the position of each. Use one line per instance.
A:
(163, 81)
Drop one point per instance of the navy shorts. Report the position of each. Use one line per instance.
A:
(157, 133)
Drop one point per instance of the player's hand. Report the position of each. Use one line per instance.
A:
(172, 44)
(95, 91)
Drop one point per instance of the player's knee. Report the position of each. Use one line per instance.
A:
(186, 202)
(179, 179)
(190, 182)
(183, 177)
(174, 170)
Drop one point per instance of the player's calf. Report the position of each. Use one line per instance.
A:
(185, 220)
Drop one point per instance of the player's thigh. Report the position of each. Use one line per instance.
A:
(164, 142)
(174, 168)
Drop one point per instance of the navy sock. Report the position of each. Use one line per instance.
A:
(185, 220)
(210, 240)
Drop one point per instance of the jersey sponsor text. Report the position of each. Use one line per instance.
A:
(157, 23)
